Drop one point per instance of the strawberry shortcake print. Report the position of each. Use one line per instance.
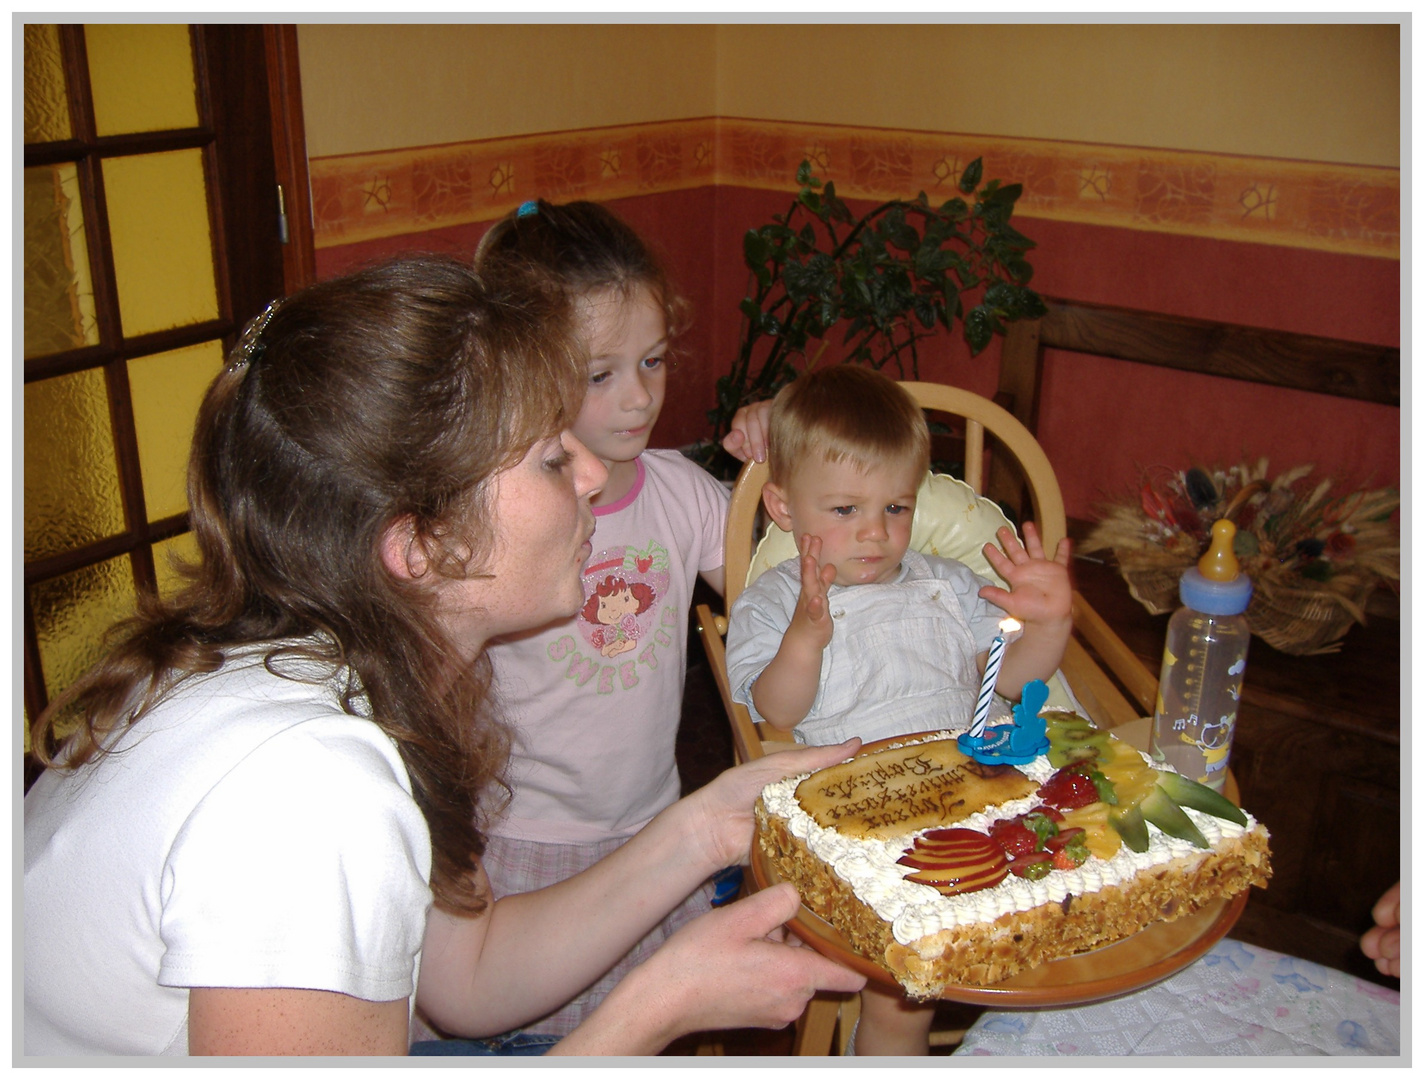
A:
(621, 589)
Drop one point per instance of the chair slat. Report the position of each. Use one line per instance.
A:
(1121, 661)
(974, 455)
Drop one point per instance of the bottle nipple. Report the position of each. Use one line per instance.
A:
(1220, 563)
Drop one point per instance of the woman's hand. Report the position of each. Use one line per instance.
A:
(720, 814)
(748, 438)
(726, 969)
(1381, 941)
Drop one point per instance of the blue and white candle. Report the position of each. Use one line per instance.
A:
(1008, 630)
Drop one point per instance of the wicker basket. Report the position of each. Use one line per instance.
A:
(1313, 558)
(1154, 587)
(1302, 622)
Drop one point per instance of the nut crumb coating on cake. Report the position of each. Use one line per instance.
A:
(929, 942)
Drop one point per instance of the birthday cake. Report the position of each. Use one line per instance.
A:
(952, 871)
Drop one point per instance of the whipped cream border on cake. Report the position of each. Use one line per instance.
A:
(914, 911)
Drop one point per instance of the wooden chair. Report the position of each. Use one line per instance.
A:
(1126, 694)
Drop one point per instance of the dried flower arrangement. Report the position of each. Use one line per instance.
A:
(1314, 560)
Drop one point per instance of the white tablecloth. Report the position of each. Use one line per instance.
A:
(1238, 1000)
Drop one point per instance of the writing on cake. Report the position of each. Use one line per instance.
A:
(906, 788)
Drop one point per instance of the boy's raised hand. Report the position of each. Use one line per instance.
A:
(1039, 588)
(812, 618)
(785, 690)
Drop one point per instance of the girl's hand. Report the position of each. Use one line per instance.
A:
(720, 814)
(811, 620)
(1039, 589)
(725, 969)
(748, 437)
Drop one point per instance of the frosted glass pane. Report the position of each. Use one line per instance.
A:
(181, 547)
(166, 390)
(163, 258)
(73, 612)
(141, 77)
(59, 292)
(71, 478)
(46, 103)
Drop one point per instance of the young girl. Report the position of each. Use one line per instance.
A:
(596, 699)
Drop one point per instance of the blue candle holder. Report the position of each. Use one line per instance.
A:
(1015, 743)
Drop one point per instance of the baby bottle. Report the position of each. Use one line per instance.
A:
(1202, 665)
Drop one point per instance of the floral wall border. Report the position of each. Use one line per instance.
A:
(1341, 209)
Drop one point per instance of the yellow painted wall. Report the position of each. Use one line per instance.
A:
(1326, 92)
(387, 87)
(1318, 93)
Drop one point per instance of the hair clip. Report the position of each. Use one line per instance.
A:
(250, 346)
(527, 208)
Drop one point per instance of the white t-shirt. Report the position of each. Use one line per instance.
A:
(595, 700)
(245, 833)
(902, 656)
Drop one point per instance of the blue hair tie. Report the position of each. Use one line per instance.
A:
(527, 208)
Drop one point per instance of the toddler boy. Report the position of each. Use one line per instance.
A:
(862, 636)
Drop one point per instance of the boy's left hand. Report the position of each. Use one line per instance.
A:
(1039, 588)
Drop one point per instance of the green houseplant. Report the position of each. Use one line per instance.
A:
(881, 283)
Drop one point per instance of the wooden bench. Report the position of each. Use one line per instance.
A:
(1317, 747)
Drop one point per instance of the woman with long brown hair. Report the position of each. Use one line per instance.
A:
(262, 834)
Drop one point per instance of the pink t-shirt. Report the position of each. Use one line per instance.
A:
(595, 700)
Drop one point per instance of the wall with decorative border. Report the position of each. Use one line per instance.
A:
(1298, 246)
(1325, 207)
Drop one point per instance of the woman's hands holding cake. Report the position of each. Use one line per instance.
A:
(727, 969)
(1040, 595)
(719, 824)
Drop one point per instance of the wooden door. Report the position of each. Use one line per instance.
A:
(151, 234)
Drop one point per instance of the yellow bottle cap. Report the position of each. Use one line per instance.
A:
(1219, 563)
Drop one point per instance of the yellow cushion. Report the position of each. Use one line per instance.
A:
(950, 521)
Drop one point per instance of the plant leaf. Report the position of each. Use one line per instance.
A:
(970, 180)
(756, 249)
(978, 330)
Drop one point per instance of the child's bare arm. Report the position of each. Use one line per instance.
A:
(1040, 595)
(785, 691)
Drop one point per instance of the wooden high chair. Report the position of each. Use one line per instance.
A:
(952, 519)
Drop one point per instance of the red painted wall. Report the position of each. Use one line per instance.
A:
(680, 226)
(1100, 420)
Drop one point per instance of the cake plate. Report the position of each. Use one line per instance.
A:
(1146, 957)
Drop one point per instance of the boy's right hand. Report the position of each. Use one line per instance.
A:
(786, 688)
(812, 618)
